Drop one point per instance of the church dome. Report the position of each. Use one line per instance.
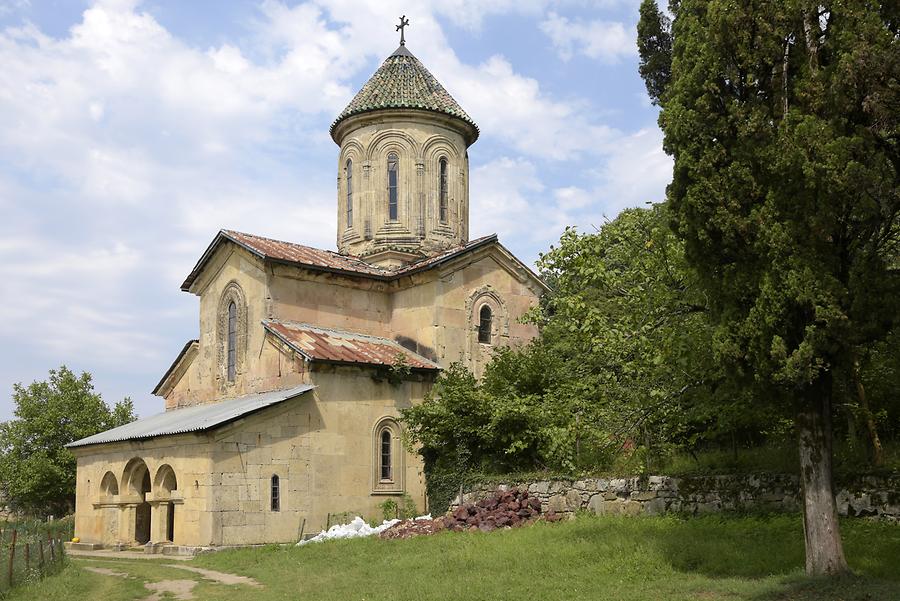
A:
(403, 82)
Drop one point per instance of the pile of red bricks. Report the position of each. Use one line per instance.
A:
(503, 509)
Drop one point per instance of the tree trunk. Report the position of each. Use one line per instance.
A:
(824, 551)
(871, 429)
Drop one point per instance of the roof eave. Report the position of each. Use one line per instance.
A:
(295, 392)
(267, 325)
(374, 365)
(462, 251)
(285, 340)
(222, 235)
(173, 366)
(468, 128)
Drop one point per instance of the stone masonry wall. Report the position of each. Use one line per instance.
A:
(868, 496)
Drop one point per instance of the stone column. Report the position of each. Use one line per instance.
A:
(420, 223)
(159, 521)
(126, 523)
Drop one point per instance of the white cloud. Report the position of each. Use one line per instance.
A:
(572, 197)
(13, 6)
(607, 41)
(123, 149)
(636, 173)
(509, 197)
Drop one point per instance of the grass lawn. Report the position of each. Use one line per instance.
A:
(597, 558)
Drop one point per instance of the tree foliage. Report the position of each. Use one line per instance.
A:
(624, 361)
(655, 49)
(782, 118)
(36, 470)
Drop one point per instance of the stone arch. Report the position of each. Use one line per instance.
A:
(437, 144)
(165, 487)
(136, 478)
(109, 486)
(435, 148)
(354, 153)
(406, 183)
(392, 137)
(136, 484)
(232, 293)
(109, 508)
(477, 353)
(165, 482)
(388, 428)
(352, 149)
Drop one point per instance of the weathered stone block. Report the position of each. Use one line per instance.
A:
(643, 495)
(655, 507)
(573, 500)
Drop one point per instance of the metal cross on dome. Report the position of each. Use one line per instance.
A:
(403, 23)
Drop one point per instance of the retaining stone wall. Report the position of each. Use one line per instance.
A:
(868, 496)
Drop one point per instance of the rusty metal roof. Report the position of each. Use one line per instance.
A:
(324, 260)
(336, 346)
(193, 419)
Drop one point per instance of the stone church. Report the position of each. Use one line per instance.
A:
(284, 410)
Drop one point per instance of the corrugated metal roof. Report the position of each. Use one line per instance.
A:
(336, 346)
(326, 260)
(193, 419)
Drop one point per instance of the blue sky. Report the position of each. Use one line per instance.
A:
(130, 132)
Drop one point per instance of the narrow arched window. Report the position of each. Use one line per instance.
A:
(484, 325)
(386, 467)
(349, 193)
(442, 186)
(276, 493)
(392, 173)
(232, 339)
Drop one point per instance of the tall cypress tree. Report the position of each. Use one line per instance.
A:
(782, 119)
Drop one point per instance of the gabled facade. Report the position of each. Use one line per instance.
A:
(305, 356)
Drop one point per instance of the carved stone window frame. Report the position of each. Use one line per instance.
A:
(396, 484)
(477, 353)
(233, 293)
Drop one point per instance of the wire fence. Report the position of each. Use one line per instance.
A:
(30, 551)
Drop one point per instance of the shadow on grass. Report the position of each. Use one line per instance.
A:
(765, 547)
(849, 588)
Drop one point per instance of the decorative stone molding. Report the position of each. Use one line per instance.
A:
(478, 354)
(420, 140)
(395, 485)
(395, 139)
(232, 293)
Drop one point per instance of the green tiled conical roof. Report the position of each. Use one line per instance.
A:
(403, 82)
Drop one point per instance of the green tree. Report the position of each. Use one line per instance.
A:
(782, 118)
(36, 470)
(655, 49)
(624, 359)
(629, 324)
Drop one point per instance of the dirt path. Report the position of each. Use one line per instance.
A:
(180, 589)
(106, 571)
(183, 590)
(222, 577)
